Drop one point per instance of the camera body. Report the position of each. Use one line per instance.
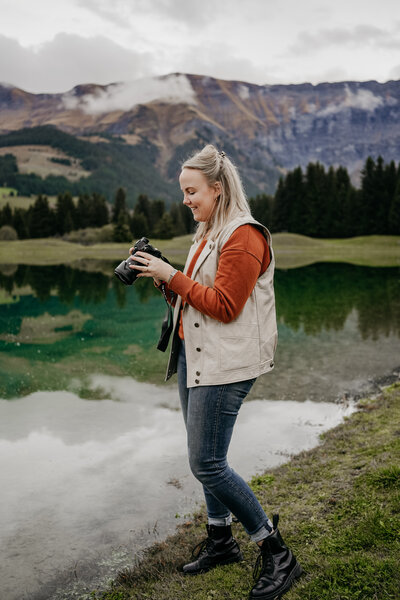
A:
(127, 275)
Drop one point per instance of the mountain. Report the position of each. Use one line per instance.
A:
(266, 129)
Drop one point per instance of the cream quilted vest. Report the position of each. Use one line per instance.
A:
(218, 353)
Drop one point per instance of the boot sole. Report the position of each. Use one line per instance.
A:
(295, 574)
(229, 561)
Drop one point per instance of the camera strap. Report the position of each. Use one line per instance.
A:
(167, 324)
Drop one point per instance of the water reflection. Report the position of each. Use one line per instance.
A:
(58, 323)
(322, 296)
(82, 479)
(67, 282)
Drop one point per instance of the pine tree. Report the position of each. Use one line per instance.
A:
(342, 211)
(83, 213)
(328, 205)
(381, 200)
(368, 191)
(390, 186)
(139, 226)
(315, 194)
(42, 222)
(295, 200)
(99, 211)
(176, 216)
(65, 213)
(164, 230)
(187, 218)
(6, 216)
(121, 232)
(280, 212)
(119, 207)
(142, 207)
(20, 223)
(261, 209)
(157, 210)
(394, 212)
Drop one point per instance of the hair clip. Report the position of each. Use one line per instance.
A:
(222, 154)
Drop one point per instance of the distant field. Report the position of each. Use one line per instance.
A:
(294, 250)
(38, 160)
(21, 201)
(7, 191)
(291, 251)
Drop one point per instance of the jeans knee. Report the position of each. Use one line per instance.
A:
(207, 471)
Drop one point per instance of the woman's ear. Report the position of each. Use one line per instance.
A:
(218, 189)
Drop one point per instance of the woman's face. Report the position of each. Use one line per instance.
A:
(197, 194)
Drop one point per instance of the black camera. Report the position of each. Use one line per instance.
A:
(128, 275)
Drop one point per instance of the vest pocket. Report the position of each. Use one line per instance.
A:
(240, 349)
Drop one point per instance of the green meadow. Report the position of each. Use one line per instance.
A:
(292, 250)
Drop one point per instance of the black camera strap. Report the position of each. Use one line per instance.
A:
(167, 324)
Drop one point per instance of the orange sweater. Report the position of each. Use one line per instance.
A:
(244, 257)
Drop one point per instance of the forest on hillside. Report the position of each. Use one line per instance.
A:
(112, 163)
(316, 202)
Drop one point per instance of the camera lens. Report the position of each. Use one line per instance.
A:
(124, 273)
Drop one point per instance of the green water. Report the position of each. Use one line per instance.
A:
(59, 325)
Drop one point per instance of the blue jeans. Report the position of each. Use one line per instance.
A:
(210, 414)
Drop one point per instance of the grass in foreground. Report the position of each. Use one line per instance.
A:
(340, 512)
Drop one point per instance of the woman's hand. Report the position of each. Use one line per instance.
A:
(151, 266)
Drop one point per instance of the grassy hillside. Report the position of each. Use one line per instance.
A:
(5, 192)
(23, 201)
(45, 160)
(110, 163)
(291, 251)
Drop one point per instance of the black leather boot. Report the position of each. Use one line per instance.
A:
(219, 548)
(276, 567)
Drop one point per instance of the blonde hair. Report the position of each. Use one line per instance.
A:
(232, 201)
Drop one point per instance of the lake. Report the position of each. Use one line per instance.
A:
(93, 459)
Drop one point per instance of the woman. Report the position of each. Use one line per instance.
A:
(224, 337)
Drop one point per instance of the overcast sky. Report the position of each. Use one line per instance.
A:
(53, 45)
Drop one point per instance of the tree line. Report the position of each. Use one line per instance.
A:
(317, 203)
(149, 217)
(324, 204)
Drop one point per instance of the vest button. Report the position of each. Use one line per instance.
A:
(197, 381)
(198, 349)
(197, 373)
(197, 324)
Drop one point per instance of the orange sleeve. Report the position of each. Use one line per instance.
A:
(243, 258)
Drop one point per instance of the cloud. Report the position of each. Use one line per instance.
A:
(362, 99)
(394, 73)
(221, 61)
(17, 62)
(361, 35)
(183, 11)
(124, 96)
(102, 10)
(67, 60)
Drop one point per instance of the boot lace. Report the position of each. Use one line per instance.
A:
(202, 547)
(264, 562)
